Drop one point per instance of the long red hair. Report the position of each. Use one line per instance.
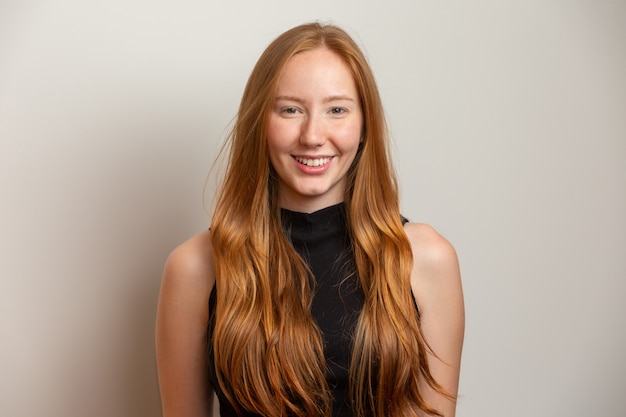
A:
(268, 349)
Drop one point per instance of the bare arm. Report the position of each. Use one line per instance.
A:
(436, 283)
(181, 323)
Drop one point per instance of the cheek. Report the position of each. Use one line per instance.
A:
(278, 135)
(352, 136)
(277, 145)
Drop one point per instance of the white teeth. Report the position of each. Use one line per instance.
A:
(313, 162)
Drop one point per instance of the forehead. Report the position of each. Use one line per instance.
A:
(319, 70)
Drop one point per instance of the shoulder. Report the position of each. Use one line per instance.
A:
(192, 260)
(180, 334)
(188, 274)
(436, 285)
(432, 253)
(436, 276)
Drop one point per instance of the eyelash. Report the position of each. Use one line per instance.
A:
(289, 110)
(336, 111)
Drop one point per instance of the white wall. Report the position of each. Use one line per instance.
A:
(509, 120)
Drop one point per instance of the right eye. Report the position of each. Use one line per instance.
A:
(289, 110)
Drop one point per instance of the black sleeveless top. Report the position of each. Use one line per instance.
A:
(322, 239)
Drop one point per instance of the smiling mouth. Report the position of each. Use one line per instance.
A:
(313, 162)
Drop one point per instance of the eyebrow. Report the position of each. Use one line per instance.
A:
(328, 99)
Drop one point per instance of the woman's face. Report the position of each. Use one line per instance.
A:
(314, 130)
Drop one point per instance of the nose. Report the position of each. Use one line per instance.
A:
(312, 134)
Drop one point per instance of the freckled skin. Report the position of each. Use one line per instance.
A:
(314, 130)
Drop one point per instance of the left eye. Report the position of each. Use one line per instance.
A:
(337, 110)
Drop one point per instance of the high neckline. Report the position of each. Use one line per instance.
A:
(325, 210)
(331, 217)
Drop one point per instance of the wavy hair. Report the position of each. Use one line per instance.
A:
(268, 350)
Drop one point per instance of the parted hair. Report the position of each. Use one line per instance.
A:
(268, 350)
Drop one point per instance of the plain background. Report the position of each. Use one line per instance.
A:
(509, 128)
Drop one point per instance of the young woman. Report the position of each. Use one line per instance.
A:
(310, 295)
